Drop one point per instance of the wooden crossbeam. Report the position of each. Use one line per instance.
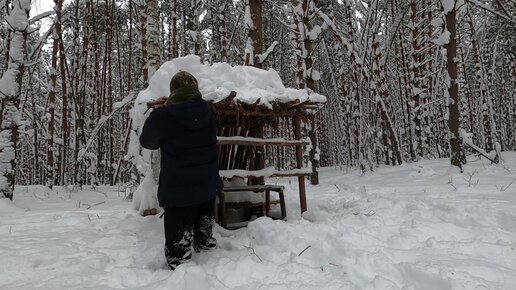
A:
(253, 188)
(265, 173)
(255, 113)
(291, 173)
(221, 140)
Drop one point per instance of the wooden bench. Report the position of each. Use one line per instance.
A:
(254, 188)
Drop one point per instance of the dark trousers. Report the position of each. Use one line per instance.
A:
(186, 227)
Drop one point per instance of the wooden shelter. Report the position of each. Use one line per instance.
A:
(260, 125)
(256, 142)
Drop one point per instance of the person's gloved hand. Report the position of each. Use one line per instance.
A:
(159, 102)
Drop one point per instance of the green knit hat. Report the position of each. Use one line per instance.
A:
(183, 79)
(183, 88)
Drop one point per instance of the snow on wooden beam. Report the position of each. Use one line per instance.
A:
(238, 140)
(267, 172)
(255, 113)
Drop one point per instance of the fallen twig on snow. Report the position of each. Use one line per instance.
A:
(504, 189)
(252, 249)
(92, 205)
(450, 182)
(369, 213)
(308, 247)
(470, 180)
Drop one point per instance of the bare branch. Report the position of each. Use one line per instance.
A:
(308, 247)
(254, 253)
(504, 189)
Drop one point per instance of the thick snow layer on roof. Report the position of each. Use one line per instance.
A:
(218, 80)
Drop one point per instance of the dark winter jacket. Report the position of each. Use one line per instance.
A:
(186, 133)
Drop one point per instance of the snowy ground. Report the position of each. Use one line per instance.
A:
(418, 226)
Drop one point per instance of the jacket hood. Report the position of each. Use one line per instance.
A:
(193, 115)
(183, 95)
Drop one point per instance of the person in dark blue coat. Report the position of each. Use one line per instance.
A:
(184, 129)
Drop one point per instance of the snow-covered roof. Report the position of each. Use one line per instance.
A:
(216, 82)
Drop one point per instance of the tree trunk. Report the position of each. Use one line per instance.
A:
(153, 36)
(173, 30)
(51, 173)
(19, 26)
(255, 32)
(457, 153)
(255, 46)
(143, 34)
(224, 54)
(64, 95)
(415, 80)
(305, 74)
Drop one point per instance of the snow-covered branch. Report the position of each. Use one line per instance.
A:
(42, 40)
(490, 9)
(262, 57)
(41, 16)
(103, 119)
(467, 139)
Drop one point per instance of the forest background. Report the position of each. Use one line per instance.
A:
(405, 79)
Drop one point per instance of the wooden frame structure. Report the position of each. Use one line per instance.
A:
(242, 139)
(265, 206)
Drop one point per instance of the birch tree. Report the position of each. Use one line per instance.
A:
(10, 92)
(253, 21)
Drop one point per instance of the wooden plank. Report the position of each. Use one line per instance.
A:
(289, 174)
(282, 205)
(299, 159)
(264, 173)
(248, 141)
(238, 225)
(255, 113)
(253, 188)
(246, 204)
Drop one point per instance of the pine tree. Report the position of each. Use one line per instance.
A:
(457, 153)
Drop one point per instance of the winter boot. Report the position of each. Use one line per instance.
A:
(203, 233)
(174, 261)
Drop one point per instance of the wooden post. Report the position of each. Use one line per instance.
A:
(256, 131)
(299, 160)
(267, 202)
(282, 204)
(223, 217)
(314, 178)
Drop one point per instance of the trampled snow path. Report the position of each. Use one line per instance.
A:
(418, 226)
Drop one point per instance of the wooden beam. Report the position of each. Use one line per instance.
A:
(264, 173)
(288, 174)
(255, 113)
(299, 159)
(221, 140)
(258, 188)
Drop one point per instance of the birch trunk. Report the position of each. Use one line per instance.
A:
(10, 91)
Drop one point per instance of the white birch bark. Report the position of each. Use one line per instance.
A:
(10, 92)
